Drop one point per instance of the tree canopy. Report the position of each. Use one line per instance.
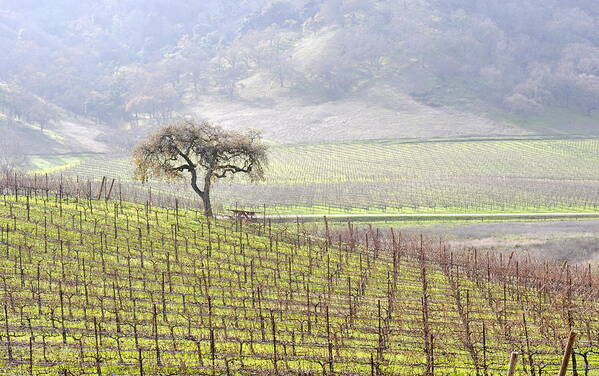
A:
(202, 150)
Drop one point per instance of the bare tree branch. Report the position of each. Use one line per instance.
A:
(198, 147)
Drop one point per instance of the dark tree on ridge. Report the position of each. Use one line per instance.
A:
(202, 150)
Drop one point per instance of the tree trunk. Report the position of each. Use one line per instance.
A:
(207, 205)
(205, 194)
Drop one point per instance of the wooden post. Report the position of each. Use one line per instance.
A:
(274, 341)
(372, 365)
(141, 361)
(155, 329)
(330, 344)
(107, 197)
(97, 343)
(512, 366)
(101, 187)
(567, 354)
(31, 356)
(8, 344)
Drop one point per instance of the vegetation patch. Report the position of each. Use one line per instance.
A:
(107, 287)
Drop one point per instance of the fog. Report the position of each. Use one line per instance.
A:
(128, 64)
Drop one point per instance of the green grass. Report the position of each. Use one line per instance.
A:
(383, 211)
(90, 286)
(55, 163)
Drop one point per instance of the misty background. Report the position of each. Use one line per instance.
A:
(72, 73)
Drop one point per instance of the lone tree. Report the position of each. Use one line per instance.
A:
(202, 150)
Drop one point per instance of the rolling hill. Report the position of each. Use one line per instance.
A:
(309, 70)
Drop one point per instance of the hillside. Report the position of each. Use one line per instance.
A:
(106, 287)
(310, 69)
(31, 125)
(373, 113)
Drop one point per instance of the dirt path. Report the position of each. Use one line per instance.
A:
(425, 217)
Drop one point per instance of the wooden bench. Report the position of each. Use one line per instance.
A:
(248, 216)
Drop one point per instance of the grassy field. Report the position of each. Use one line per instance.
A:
(53, 163)
(393, 176)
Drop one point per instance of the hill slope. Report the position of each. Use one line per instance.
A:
(373, 113)
(324, 69)
(108, 287)
(31, 125)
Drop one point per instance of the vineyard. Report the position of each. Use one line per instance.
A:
(108, 287)
(437, 176)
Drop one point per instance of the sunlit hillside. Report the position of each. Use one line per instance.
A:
(107, 287)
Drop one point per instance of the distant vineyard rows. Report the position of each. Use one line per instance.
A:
(390, 176)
